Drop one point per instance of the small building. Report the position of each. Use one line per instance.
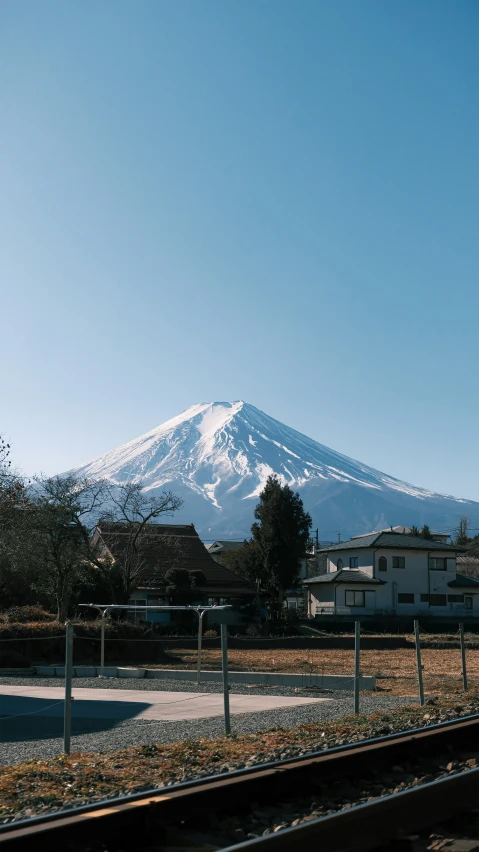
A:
(392, 573)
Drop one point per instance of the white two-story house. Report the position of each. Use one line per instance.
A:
(391, 573)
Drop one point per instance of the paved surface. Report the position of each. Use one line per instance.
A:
(116, 704)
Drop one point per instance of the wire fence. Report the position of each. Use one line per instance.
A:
(341, 669)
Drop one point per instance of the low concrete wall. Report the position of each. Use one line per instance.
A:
(268, 678)
(301, 681)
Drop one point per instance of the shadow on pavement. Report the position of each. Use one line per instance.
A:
(26, 718)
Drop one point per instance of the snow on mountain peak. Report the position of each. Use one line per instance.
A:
(218, 456)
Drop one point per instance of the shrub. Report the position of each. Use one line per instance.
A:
(210, 634)
(13, 660)
(26, 615)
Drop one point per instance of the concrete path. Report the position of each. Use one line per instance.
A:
(128, 704)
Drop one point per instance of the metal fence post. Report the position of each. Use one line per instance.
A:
(357, 634)
(224, 665)
(463, 657)
(102, 644)
(67, 723)
(418, 661)
(200, 634)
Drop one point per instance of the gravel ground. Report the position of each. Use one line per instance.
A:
(25, 737)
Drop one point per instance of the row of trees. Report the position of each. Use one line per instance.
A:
(47, 553)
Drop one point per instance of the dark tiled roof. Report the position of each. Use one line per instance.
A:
(345, 576)
(172, 546)
(461, 582)
(393, 540)
(353, 543)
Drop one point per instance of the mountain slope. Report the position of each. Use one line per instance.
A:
(217, 456)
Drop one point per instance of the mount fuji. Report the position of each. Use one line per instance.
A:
(217, 457)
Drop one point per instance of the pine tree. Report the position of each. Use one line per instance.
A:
(280, 536)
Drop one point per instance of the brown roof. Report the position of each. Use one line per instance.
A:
(172, 546)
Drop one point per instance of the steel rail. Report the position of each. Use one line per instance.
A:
(371, 825)
(117, 816)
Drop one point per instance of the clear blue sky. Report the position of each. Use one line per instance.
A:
(262, 200)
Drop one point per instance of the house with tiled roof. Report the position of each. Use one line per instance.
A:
(392, 573)
(166, 546)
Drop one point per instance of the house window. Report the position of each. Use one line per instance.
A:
(399, 561)
(292, 604)
(437, 563)
(468, 601)
(339, 564)
(455, 598)
(438, 600)
(354, 598)
(382, 563)
(405, 597)
(354, 562)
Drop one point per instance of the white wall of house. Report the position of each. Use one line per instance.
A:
(364, 558)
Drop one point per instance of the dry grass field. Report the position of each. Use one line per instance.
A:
(396, 669)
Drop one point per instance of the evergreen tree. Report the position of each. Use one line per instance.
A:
(280, 536)
(178, 585)
(414, 531)
(426, 533)
(197, 578)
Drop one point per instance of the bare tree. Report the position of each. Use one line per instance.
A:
(462, 536)
(133, 533)
(5, 462)
(17, 567)
(63, 513)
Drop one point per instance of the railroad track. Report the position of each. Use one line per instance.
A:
(355, 797)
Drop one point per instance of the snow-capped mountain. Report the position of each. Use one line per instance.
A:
(217, 457)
